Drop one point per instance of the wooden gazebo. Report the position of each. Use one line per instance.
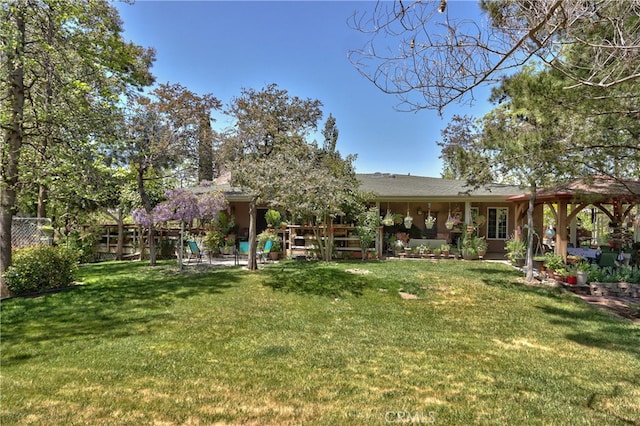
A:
(598, 191)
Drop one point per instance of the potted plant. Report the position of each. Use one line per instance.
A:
(445, 249)
(469, 247)
(515, 251)
(276, 243)
(571, 277)
(397, 246)
(388, 219)
(554, 262)
(582, 272)
(213, 240)
(229, 244)
(408, 220)
(437, 252)
(481, 246)
(429, 222)
(273, 218)
(560, 274)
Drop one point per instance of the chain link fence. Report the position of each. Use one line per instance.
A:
(31, 231)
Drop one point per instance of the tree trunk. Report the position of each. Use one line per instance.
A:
(11, 150)
(120, 248)
(152, 245)
(252, 263)
(43, 194)
(120, 222)
(146, 203)
(179, 247)
(530, 232)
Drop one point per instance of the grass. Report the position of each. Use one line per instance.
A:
(308, 343)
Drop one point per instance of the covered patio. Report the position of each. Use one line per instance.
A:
(618, 200)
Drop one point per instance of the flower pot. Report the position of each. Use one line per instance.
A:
(469, 254)
(274, 255)
(572, 280)
(582, 277)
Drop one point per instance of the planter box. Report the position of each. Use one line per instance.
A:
(620, 289)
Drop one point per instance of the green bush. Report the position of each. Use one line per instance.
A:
(41, 268)
(85, 244)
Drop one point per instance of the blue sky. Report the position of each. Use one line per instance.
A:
(220, 47)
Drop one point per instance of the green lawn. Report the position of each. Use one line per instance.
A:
(307, 343)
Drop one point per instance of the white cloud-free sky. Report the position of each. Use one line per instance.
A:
(220, 47)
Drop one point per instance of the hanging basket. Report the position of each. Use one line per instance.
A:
(408, 222)
(429, 222)
(388, 219)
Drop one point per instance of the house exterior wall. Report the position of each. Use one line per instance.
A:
(419, 210)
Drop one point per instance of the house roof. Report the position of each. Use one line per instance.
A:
(387, 186)
(390, 187)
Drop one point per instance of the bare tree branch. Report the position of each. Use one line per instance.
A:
(431, 59)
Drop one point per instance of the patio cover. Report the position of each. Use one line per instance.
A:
(598, 191)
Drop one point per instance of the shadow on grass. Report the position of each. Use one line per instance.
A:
(313, 278)
(513, 280)
(596, 329)
(113, 300)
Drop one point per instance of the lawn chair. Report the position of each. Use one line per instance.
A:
(608, 260)
(243, 248)
(194, 251)
(264, 253)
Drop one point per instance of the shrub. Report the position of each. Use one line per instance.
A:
(272, 217)
(41, 268)
(85, 244)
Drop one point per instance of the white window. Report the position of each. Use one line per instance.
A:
(497, 218)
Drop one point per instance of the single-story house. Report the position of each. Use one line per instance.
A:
(418, 197)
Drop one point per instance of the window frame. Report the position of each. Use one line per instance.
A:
(497, 235)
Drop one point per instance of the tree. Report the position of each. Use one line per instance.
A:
(440, 59)
(63, 65)
(522, 141)
(460, 160)
(185, 207)
(190, 116)
(270, 124)
(330, 134)
(151, 148)
(367, 228)
(325, 187)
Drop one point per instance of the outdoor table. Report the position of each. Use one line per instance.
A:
(590, 254)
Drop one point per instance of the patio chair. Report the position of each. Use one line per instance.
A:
(264, 253)
(194, 251)
(607, 260)
(243, 248)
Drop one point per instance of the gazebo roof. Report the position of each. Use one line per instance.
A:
(602, 189)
